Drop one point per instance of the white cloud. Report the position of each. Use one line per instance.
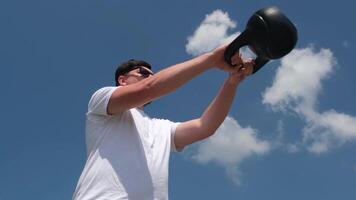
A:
(211, 33)
(298, 79)
(231, 145)
(292, 148)
(342, 124)
(280, 142)
(319, 147)
(296, 87)
(328, 129)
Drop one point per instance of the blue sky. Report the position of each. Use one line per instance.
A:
(290, 133)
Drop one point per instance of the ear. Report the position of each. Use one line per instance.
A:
(122, 80)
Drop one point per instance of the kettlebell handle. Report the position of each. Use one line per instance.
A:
(235, 45)
(242, 40)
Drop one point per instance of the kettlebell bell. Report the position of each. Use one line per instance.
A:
(268, 33)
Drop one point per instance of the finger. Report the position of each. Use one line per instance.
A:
(246, 60)
(236, 59)
(233, 60)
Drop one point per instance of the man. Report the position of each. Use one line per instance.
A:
(128, 152)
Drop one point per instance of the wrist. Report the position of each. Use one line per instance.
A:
(232, 81)
(210, 60)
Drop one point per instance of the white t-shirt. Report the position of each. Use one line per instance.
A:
(128, 153)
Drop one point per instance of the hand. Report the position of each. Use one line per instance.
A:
(240, 74)
(219, 60)
(248, 65)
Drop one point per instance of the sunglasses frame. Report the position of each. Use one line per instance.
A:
(144, 72)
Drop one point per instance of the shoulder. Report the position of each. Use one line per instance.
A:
(103, 91)
(99, 100)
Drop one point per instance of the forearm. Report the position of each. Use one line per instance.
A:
(203, 127)
(197, 129)
(175, 76)
(217, 111)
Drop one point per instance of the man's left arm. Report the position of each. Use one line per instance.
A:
(197, 129)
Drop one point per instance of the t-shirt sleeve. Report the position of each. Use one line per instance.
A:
(174, 126)
(98, 103)
(168, 128)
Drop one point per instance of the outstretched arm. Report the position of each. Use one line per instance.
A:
(203, 127)
(167, 80)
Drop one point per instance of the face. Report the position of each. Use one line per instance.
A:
(135, 76)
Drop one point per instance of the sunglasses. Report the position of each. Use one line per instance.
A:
(143, 72)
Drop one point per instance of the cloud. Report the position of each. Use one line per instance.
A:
(328, 129)
(298, 79)
(279, 141)
(211, 33)
(292, 148)
(229, 146)
(295, 89)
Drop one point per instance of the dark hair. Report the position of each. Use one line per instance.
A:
(127, 66)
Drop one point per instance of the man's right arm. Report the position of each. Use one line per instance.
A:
(165, 81)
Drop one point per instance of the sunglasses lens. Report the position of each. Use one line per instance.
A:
(144, 72)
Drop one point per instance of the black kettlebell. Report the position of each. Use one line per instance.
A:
(269, 34)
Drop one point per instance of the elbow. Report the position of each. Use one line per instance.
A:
(205, 133)
(211, 132)
(208, 129)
